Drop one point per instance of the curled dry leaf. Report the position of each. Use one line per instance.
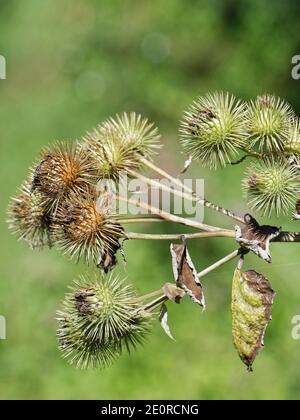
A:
(173, 292)
(185, 273)
(256, 238)
(163, 317)
(296, 215)
(108, 259)
(252, 300)
(187, 164)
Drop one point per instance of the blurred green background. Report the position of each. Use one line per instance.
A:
(70, 64)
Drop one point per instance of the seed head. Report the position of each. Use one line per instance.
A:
(28, 217)
(269, 121)
(98, 318)
(270, 186)
(83, 228)
(119, 143)
(213, 129)
(63, 170)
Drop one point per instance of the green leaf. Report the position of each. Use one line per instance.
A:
(252, 300)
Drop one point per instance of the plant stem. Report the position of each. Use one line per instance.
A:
(171, 237)
(252, 153)
(219, 263)
(240, 160)
(256, 155)
(155, 303)
(240, 262)
(140, 220)
(167, 216)
(164, 174)
(192, 195)
(163, 187)
(147, 296)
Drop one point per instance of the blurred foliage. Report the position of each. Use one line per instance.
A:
(70, 64)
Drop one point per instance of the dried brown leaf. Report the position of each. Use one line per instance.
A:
(173, 292)
(256, 238)
(296, 215)
(185, 273)
(163, 317)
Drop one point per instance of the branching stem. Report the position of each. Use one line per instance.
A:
(251, 153)
(129, 220)
(240, 160)
(168, 216)
(191, 194)
(147, 296)
(154, 304)
(219, 263)
(174, 237)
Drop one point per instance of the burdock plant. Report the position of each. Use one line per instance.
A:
(82, 228)
(214, 128)
(119, 144)
(292, 147)
(99, 318)
(269, 120)
(270, 186)
(61, 171)
(28, 217)
(61, 204)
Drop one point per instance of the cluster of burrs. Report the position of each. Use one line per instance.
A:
(60, 204)
(218, 129)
